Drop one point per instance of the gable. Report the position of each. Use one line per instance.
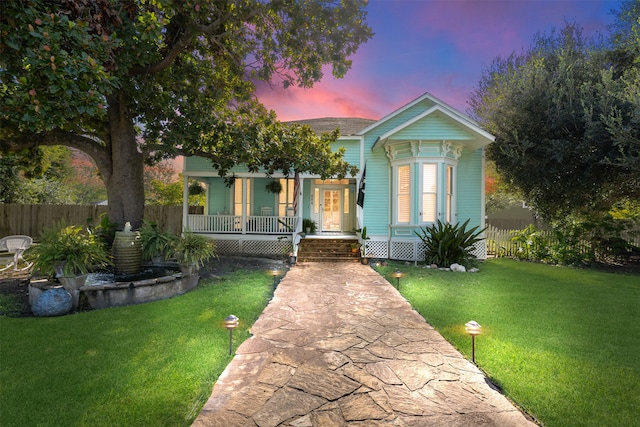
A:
(437, 124)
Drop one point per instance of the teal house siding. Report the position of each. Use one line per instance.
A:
(470, 189)
(426, 131)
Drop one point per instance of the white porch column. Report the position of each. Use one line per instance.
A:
(185, 202)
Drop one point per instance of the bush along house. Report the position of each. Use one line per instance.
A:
(421, 163)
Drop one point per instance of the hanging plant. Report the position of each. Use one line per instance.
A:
(274, 187)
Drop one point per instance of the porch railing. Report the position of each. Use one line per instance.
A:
(235, 224)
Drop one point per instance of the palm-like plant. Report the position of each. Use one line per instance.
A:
(446, 244)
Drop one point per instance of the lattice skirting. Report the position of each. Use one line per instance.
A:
(253, 247)
(404, 250)
(413, 250)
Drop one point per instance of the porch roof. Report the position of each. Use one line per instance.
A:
(347, 125)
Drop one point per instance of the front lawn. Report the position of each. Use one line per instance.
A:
(146, 365)
(563, 343)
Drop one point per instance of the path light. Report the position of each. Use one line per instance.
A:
(274, 272)
(398, 274)
(231, 322)
(473, 328)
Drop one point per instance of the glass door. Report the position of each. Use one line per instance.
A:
(331, 210)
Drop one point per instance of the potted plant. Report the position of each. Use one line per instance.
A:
(156, 244)
(274, 187)
(192, 250)
(355, 247)
(363, 247)
(287, 249)
(67, 253)
(309, 226)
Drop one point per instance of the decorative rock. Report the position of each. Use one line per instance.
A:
(458, 267)
(52, 302)
(473, 270)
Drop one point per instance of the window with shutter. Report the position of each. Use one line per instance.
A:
(404, 194)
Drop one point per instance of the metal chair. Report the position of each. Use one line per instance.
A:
(16, 245)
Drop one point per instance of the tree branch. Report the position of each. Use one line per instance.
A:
(86, 144)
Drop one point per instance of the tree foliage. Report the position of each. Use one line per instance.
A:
(129, 81)
(566, 116)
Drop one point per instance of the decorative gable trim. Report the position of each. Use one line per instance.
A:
(482, 137)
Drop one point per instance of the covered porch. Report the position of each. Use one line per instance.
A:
(257, 214)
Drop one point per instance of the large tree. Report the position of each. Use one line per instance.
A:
(566, 116)
(129, 81)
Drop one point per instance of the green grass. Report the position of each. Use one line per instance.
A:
(145, 365)
(563, 343)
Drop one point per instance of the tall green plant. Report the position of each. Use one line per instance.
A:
(193, 248)
(70, 248)
(446, 244)
(154, 241)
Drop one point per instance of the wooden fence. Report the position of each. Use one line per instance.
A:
(500, 242)
(32, 219)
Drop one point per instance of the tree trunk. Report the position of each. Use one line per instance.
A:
(125, 178)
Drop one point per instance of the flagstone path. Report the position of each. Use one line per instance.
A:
(339, 346)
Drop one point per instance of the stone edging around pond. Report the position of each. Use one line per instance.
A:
(125, 293)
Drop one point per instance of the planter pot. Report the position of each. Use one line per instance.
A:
(189, 269)
(158, 260)
(292, 259)
(364, 261)
(73, 285)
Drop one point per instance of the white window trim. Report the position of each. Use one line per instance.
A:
(395, 205)
(421, 192)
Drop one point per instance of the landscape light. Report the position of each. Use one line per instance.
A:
(231, 322)
(274, 272)
(473, 328)
(398, 274)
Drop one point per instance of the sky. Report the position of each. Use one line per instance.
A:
(434, 46)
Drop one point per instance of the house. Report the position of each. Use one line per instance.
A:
(424, 162)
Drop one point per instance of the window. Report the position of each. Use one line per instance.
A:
(403, 190)
(345, 200)
(237, 196)
(448, 204)
(285, 198)
(429, 192)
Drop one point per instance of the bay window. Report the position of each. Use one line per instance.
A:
(403, 195)
(429, 208)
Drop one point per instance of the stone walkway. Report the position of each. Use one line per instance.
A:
(339, 346)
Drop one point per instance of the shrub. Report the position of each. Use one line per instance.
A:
(446, 244)
(155, 242)
(69, 247)
(194, 249)
(532, 244)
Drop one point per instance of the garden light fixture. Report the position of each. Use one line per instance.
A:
(231, 322)
(274, 272)
(398, 274)
(473, 328)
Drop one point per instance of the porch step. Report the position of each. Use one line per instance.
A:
(326, 250)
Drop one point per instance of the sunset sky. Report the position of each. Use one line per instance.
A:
(434, 46)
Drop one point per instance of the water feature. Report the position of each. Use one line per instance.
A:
(103, 290)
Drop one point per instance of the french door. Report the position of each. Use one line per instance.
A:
(331, 210)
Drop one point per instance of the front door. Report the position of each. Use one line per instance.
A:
(331, 210)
